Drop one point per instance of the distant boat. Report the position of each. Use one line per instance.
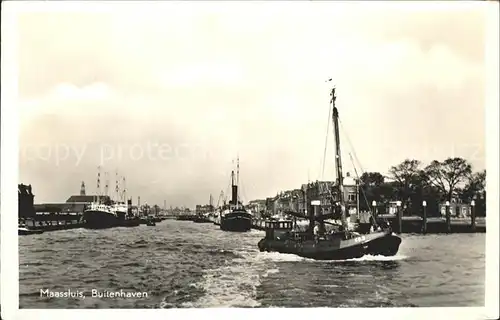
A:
(203, 216)
(234, 216)
(24, 230)
(201, 219)
(151, 223)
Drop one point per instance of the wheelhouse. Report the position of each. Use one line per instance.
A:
(276, 229)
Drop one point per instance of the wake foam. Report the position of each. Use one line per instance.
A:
(284, 257)
(234, 285)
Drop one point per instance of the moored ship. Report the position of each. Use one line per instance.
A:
(120, 208)
(236, 219)
(100, 216)
(104, 213)
(234, 216)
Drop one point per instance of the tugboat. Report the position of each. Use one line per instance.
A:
(340, 244)
(234, 217)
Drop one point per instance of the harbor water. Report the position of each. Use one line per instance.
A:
(181, 264)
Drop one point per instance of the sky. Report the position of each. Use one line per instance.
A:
(170, 94)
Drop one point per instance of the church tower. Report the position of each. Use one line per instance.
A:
(82, 189)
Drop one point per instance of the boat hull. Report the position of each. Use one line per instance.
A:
(100, 220)
(378, 243)
(236, 222)
(24, 232)
(129, 223)
(201, 220)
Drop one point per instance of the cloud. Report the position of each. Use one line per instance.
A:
(207, 74)
(95, 91)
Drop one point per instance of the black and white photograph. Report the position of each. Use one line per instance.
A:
(277, 156)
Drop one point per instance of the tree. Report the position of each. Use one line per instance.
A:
(446, 176)
(407, 176)
(372, 179)
(476, 184)
(424, 190)
(374, 187)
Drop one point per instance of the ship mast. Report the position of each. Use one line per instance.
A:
(338, 159)
(221, 201)
(233, 188)
(106, 181)
(124, 190)
(117, 188)
(237, 180)
(98, 183)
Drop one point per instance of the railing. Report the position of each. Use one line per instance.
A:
(259, 224)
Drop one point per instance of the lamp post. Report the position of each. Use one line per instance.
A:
(448, 219)
(399, 216)
(374, 214)
(424, 225)
(473, 215)
(315, 204)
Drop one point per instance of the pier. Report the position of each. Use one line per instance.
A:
(54, 222)
(428, 216)
(69, 215)
(446, 217)
(416, 224)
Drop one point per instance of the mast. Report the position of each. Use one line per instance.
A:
(106, 181)
(357, 197)
(358, 181)
(116, 187)
(124, 191)
(98, 183)
(237, 180)
(221, 198)
(338, 158)
(238, 171)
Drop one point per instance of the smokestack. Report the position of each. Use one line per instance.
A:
(234, 190)
(234, 199)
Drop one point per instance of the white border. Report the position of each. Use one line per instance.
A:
(9, 169)
(9, 178)
(492, 159)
